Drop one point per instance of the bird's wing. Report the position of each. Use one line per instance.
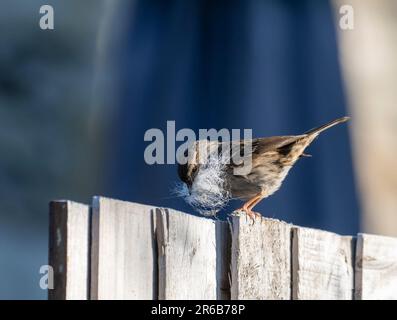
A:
(262, 145)
(258, 147)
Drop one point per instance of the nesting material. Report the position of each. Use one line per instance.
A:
(209, 192)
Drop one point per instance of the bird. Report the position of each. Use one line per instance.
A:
(208, 185)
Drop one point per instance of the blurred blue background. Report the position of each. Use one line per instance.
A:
(76, 101)
(270, 66)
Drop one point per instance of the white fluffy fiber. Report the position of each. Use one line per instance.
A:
(208, 193)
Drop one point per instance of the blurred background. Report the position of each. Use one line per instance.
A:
(76, 101)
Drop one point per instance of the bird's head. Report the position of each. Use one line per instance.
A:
(194, 156)
(203, 178)
(187, 172)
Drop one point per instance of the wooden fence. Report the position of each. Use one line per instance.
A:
(121, 250)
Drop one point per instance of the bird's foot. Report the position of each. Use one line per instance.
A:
(252, 214)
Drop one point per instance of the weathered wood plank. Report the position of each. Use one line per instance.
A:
(261, 258)
(376, 267)
(191, 264)
(69, 250)
(123, 259)
(322, 265)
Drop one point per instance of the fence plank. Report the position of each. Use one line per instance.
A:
(69, 250)
(190, 257)
(123, 260)
(322, 265)
(376, 267)
(261, 254)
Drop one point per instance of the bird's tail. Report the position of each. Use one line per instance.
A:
(327, 126)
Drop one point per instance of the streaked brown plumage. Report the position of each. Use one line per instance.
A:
(272, 158)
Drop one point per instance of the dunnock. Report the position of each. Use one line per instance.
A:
(209, 185)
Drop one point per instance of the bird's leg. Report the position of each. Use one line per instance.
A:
(247, 207)
(257, 199)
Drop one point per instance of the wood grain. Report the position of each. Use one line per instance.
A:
(69, 250)
(123, 259)
(261, 254)
(322, 265)
(376, 267)
(191, 256)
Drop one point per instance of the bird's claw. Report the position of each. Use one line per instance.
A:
(252, 214)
